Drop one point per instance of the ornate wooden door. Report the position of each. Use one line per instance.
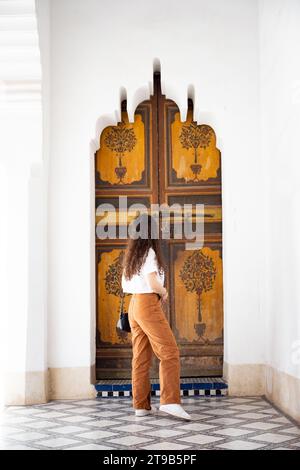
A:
(159, 159)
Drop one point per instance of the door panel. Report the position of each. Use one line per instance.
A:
(125, 154)
(191, 154)
(159, 159)
(197, 278)
(125, 165)
(190, 173)
(109, 266)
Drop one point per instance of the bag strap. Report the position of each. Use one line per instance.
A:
(122, 295)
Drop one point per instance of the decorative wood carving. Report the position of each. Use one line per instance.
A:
(159, 159)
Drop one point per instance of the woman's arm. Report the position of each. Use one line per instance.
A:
(155, 285)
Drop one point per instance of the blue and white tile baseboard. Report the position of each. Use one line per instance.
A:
(194, 386)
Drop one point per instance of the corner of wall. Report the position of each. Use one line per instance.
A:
(26, 388)
(283, 390)
(71, 383)
(245, 379)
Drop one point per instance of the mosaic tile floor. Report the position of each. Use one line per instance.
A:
(110, 423)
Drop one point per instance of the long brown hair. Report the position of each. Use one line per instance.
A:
(137, 248)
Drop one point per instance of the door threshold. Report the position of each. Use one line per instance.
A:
(189, 386)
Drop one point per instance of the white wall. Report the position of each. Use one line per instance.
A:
(99, 48)
(22, 302)
(239, 61)
(280, 129)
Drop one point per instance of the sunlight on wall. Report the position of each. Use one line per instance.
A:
(20, 148)
(3, 276)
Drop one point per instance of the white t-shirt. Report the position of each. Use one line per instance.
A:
(138, 283)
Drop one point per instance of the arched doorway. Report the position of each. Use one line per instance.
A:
(159, 159)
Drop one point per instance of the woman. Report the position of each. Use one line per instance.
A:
(143, 277)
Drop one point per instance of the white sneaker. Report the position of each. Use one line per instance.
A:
(175, 409)
(141, 412)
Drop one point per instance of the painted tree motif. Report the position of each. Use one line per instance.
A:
(198, 275)
(193, 136)
(113, 285)
(120, 139)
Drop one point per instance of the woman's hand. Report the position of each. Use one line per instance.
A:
(165, 296)
(155, 284)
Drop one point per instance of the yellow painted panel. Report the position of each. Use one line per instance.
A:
(121, 156)
(187, 298)
(109, 279)
(194, 153)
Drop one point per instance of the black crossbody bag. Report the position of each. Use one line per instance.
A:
(123, 322)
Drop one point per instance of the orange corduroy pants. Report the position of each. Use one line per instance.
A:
(151, 332)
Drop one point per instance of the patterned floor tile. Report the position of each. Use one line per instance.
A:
(7, 430)
(111, 405)
(65, 429)
(192, 400)
(219, 412)
(17, 420)
(27, 436)
(164, 422)
(165, 433)
(292, 430)
(87, 402)
(196, 427)
(58, 442)
(270, 411)
(133, 428)
(263, 425)
(213, 404)
(201, 439)
(85, 410)
(240, 445)
(130, 440)
(28, 411)
(199, 418)
(165, 445)
(296, 444)
(281, 448)
(74, 419)
(225, 421)
(106, 414)
(134, 418)
(104, 423)
(195, 408)
(246, 408)
(272, 438)
(19, 447)
(281, 419)
(4, 443)
(110, 423)
(95, 435)
(52, 414)
(232, 432)
(239, 400)
(90, 447)
(40, 424)
(251, 415)
(60, 406)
